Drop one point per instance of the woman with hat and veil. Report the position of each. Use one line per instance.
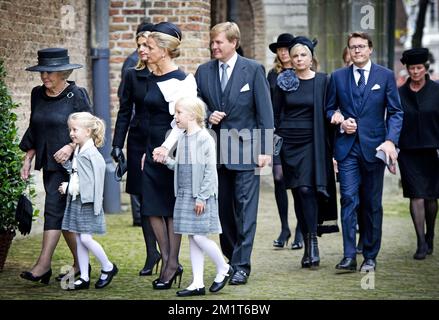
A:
(282, 62)
(305, 154)
(419, 144)
(47, 139)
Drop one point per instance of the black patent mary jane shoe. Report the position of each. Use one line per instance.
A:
(102, 283)
(191, 293)
(80, 286)
(217, 286)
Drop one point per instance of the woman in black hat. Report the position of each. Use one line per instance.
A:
(134, 122)
(47, 139)
(165, 85)
(282, 62)
(305, 153)
(419, 143)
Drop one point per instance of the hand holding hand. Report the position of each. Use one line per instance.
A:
(349, 125)
(160, 154)
(216, 117)
(63, 154)
(337, 118)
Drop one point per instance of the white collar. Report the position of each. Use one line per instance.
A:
(231, 62)
(365, 68)
(87, 145)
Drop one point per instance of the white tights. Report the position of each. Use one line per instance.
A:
(199, 245)
(84, 244)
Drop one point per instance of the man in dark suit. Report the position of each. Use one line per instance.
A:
(359, 98)
(236, 92)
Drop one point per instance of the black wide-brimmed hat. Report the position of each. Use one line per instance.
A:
(53, 59)
(284, 40)
(168, 28)
(415, 56)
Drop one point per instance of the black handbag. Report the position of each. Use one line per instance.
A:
(24, 214)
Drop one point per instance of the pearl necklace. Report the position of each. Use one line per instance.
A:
(49, 93)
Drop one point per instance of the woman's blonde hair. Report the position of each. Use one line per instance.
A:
(196, 106)
(89, 121)
(65, 74)
(169, 43)
(140, 63)
(314, 62)
(277, 64)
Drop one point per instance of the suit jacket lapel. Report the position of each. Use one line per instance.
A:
(235, 83)
(370, 83)
(213, 83)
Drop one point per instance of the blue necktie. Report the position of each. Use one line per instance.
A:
(362, 81)
(224, 77)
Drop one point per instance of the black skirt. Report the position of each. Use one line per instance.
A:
(419, 173)
(297, 157)
(55, 202)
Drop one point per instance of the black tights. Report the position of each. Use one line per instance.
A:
(280, 193)
(305, 204)
(169, 244)
(152, 253)
(281, 196)
(423, 212)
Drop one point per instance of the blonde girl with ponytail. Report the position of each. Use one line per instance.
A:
(84, 214)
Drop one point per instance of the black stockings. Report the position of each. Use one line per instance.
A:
(169, 244)
(305, 204)
(423, 212)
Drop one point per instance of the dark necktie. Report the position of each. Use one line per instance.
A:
(224, 77)
(362, 81)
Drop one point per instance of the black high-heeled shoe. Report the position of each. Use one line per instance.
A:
(147, 270)
(281, 242)
(44, 278)
(164, 285)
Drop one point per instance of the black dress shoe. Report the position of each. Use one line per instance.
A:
(239, 277)
(190, 293)
(147, 270)
(421, 252)
(368, 265)
(83, 285)
(44, 278)
(281, 241)
(77, 274)
(296, 246)
(347, 265)
(217, 286)
(110, 274)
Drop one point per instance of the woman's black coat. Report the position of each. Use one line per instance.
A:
(48, 130)
(132, 119)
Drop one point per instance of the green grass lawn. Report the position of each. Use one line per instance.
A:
(276, 274)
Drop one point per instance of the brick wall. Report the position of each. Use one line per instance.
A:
(27, 26)
(30, 25)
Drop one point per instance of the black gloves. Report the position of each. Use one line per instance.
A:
(117, 154)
